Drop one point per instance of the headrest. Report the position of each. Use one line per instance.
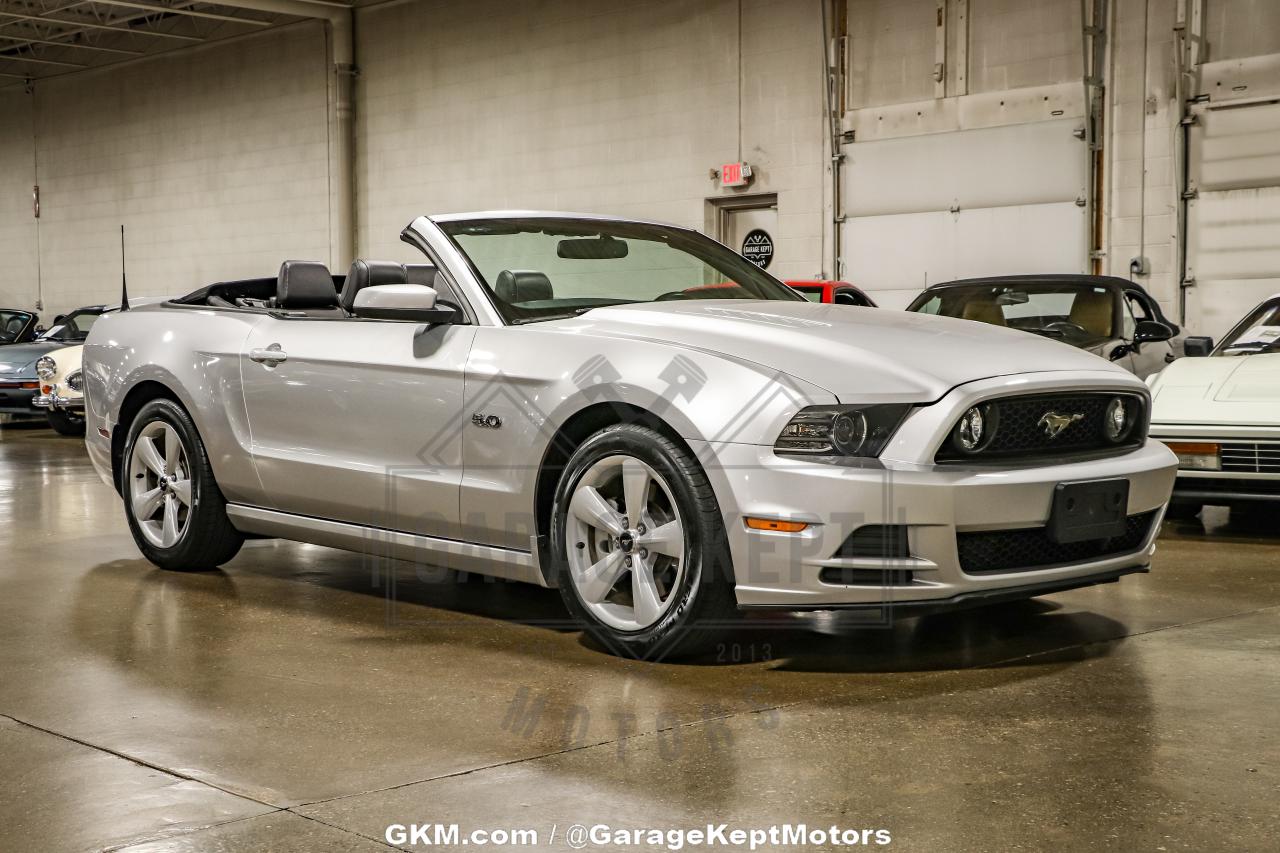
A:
(305, 284)
(1092, 311)
(984, 312)
(522, 286)
(369, 273)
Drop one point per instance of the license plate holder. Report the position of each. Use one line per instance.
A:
(1090, 509)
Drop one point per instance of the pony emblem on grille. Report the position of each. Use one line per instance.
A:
(1054, 423)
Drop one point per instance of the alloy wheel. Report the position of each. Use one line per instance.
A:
(626, 543)
(160, 484)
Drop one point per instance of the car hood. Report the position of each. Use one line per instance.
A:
(855, 354)
(1242, 389)
(19, 359)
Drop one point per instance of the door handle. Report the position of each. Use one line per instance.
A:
(271, 356)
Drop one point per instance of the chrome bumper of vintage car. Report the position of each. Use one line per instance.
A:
(906, 531)
(59, 403)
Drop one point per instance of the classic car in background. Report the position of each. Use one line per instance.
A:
(836, 292)
(17, 326)
(62, 389)
(1108, 316)
(589, 413)
(19, 381)
(1221, 415)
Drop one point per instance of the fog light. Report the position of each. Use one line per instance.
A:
(972, 430)
(1196, 455)
(1116, 423)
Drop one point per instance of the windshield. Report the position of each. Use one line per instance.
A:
(1259, 332)
(1074, 313)
(813, 294)
(548, 268)
(73, 327)
(12, 324)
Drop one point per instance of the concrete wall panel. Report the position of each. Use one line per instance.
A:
(18, 272)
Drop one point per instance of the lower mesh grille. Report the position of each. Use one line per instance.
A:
(994, 551)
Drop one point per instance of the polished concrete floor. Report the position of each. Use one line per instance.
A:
(289, 704)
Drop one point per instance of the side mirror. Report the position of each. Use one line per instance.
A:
(414, 303)
(1197, 347)
(1151, 331)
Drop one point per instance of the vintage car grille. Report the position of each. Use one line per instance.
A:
(1020, 435)
(1251, 457)
(990, 552)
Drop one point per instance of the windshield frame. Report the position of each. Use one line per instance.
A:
(449, 227)
(1246, 323)
(95, 312)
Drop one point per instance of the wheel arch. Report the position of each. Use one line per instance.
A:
(137, 397)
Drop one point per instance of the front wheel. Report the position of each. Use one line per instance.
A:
(176, 512)
(65, 423)
(639, 545)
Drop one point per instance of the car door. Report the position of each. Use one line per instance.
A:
(359, 420)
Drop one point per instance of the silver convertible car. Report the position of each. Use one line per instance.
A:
(630, 412)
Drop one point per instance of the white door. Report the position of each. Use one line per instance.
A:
(1233, 213)
(752, 232)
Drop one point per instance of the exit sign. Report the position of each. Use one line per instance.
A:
(735, 175)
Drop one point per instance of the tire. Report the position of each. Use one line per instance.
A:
(691, 594)
(65, 423)
(200, 536)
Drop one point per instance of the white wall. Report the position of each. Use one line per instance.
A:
(214, 159)
(17, 225)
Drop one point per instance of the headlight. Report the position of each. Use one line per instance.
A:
(1118, 420)
(841, 431)
(46, 367)
(975, 429)
(75, 380)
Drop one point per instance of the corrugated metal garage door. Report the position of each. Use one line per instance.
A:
(987, 201)
(1233, 218)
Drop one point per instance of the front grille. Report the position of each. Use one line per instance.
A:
(1251, 457)
(1019, 433)
(990, 552)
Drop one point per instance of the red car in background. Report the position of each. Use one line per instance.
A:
(837, 292)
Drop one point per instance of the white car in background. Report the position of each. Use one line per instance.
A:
(1221, 415)
(62, 389)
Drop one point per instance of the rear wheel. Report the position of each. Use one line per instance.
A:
(640, 550)
(65, 423)
(176, 512)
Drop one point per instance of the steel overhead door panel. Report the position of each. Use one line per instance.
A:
(986, 201)
(1233, 216)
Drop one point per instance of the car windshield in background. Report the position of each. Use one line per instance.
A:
(813, 294)
(543, 268)
(11, 325)
(1259, 332)
(1076, 314)
(73, 327)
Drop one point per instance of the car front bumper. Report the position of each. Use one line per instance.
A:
(949, 520)
(17, 396)
(1249, 460)
(59, 403)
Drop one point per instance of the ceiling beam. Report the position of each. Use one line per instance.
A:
(174, 10)
(88, 26)
(24, 40)
(42, 61)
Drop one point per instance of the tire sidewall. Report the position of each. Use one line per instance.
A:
(173, 415)
(649, 447)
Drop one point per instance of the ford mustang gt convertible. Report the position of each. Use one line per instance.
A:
(1221, 415)
(632, 413)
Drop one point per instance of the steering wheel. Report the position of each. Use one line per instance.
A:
(1064, 326)
(670, 295)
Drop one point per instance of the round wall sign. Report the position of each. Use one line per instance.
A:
(757, 247)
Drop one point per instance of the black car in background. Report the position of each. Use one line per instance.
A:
(1112, 317)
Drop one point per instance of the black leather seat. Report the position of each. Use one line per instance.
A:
(305, 286)
(369, 273)
(523, 286)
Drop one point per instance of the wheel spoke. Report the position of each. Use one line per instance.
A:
(592, 509)
(667, 539)
(182, 491)
(598, 579)
(635, 490)
(169, 529)
(150, 456)
(146, 504)
(172, 449)
(644, 593)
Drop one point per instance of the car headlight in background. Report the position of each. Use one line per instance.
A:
(75, 380)
(841, 431)
(46, 367)
(1196, 455)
